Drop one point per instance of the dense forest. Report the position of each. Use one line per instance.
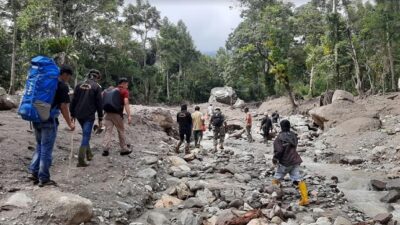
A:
(277, 49)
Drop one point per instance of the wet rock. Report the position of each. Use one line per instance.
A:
(383, 218)
(237, 203)
(342, 221)
(147, 173)
(391, 197)
(187, 217)
(167, 201)
(342, 95)
(155, 218)
(18, 200)
(378, 185)
(66, 208)
(183, 192)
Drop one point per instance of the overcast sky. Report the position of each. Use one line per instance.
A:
(208, 21)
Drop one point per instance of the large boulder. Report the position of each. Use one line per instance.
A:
(155, 117)
(337, 112)
(66, 208)
(224, 95)
(239, 103)
(7, 102)
(326, 98)
(342, 95)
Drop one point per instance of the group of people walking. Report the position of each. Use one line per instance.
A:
(285, 158)
(88, 98)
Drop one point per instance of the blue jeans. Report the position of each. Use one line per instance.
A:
(87, 126)
(293, 171)
(45, 133)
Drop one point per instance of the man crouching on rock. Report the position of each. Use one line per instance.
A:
(288, 160)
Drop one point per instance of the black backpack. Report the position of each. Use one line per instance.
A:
(112, 101)
(218, 120)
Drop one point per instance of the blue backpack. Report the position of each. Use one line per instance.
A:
(40, 89)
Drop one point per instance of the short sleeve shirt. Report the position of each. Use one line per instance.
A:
(61, 95)
(124, 94)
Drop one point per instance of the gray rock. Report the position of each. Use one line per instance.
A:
(222, 205)
(391, 197)
(230, 194)
(342, 221)
(205, 196)
(383, 218)
(225, 217)
(237, 203)
(66, 208)
(342, 95)
(393, 184)
(155, 218)
(147, 173)
(193, 203)
(183, 191)
(149, 160)
(19, 200)
(187, 217)
(244, 178)
(276, 220)
(196, 185)
(224, 95)
(378, 185)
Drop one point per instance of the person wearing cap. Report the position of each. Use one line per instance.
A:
(46, 132)
(248, 120)
(266, 127)
(87, 100)
(288, 160)
(116, 119)
(218, 124)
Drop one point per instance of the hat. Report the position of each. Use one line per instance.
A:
(123, 80)
(265, 114)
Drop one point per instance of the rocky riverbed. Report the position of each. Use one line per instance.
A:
(350, 168)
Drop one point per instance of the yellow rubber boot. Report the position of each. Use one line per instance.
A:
(303, 193)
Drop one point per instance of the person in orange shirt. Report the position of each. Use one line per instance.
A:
(248, 124)
(198, 122)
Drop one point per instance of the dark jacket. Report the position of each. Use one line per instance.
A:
(184, 119)
(266, 125)
(285, 149)
(86, 101)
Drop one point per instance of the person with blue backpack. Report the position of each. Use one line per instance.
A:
(46, 94)
(86, 102)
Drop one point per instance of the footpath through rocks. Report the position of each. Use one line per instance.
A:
(348, 182)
